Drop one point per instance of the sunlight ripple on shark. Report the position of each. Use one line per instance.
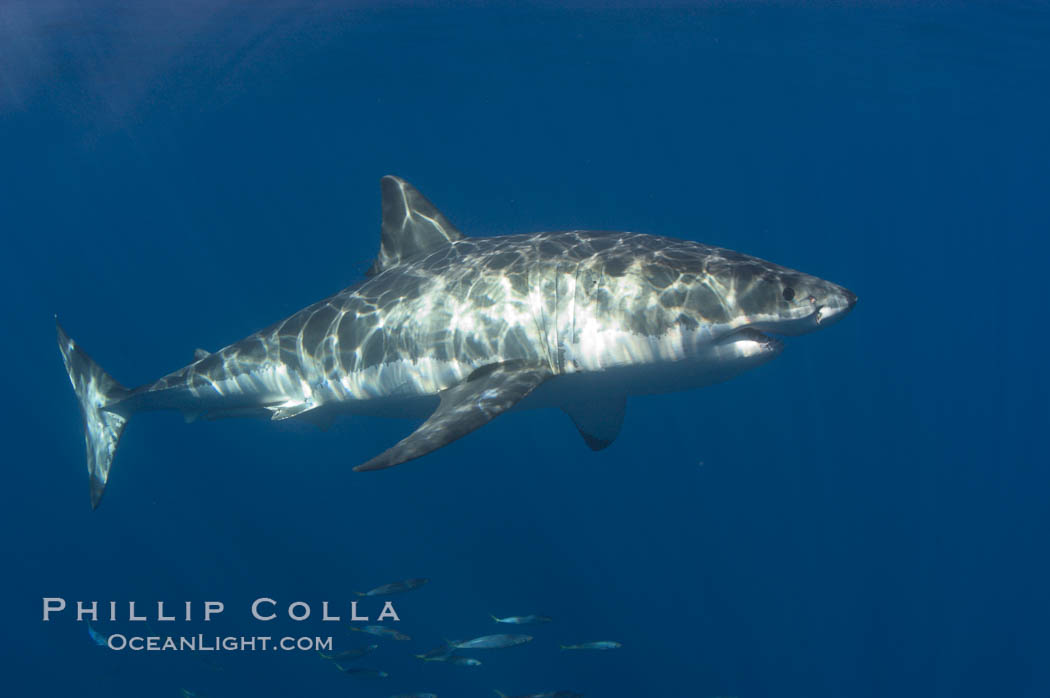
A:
(463, 329)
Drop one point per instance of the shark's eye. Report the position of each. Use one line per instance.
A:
(789, 293)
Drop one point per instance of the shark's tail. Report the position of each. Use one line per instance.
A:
(99, 397)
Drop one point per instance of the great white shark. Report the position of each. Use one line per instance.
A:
(460, 330)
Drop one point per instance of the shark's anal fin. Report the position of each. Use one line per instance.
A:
(411, 225)
(599, 421)
(199, 354)
(489, 392)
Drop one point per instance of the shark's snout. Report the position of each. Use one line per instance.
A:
(851, 298)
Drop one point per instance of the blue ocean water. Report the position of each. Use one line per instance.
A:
(865, 516)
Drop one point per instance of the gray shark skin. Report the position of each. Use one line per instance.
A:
(459, 330)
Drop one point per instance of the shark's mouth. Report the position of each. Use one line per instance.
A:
(756, 341)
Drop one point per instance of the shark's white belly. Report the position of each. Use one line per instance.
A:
(627, 366)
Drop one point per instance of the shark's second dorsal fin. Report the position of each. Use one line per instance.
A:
(411, 225)
(199, 354)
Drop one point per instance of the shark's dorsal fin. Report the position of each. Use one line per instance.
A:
(199, 354)
(411, 225)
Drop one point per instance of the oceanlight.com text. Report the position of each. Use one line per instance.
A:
(216, 643)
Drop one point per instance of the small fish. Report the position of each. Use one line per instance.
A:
(381, 631)
(99, 639)
(522, 620)
(599, 645)
(187, 693)
(491, 642)
(355, 653)
(463, 661)
(394, 587)
(547, 694)
(438, 654)
(362, 672)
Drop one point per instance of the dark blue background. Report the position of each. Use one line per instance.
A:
(865, 516)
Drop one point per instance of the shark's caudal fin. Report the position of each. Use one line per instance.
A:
(98, 394)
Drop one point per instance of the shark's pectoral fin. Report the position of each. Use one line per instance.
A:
(599, 422)
(488, 392)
